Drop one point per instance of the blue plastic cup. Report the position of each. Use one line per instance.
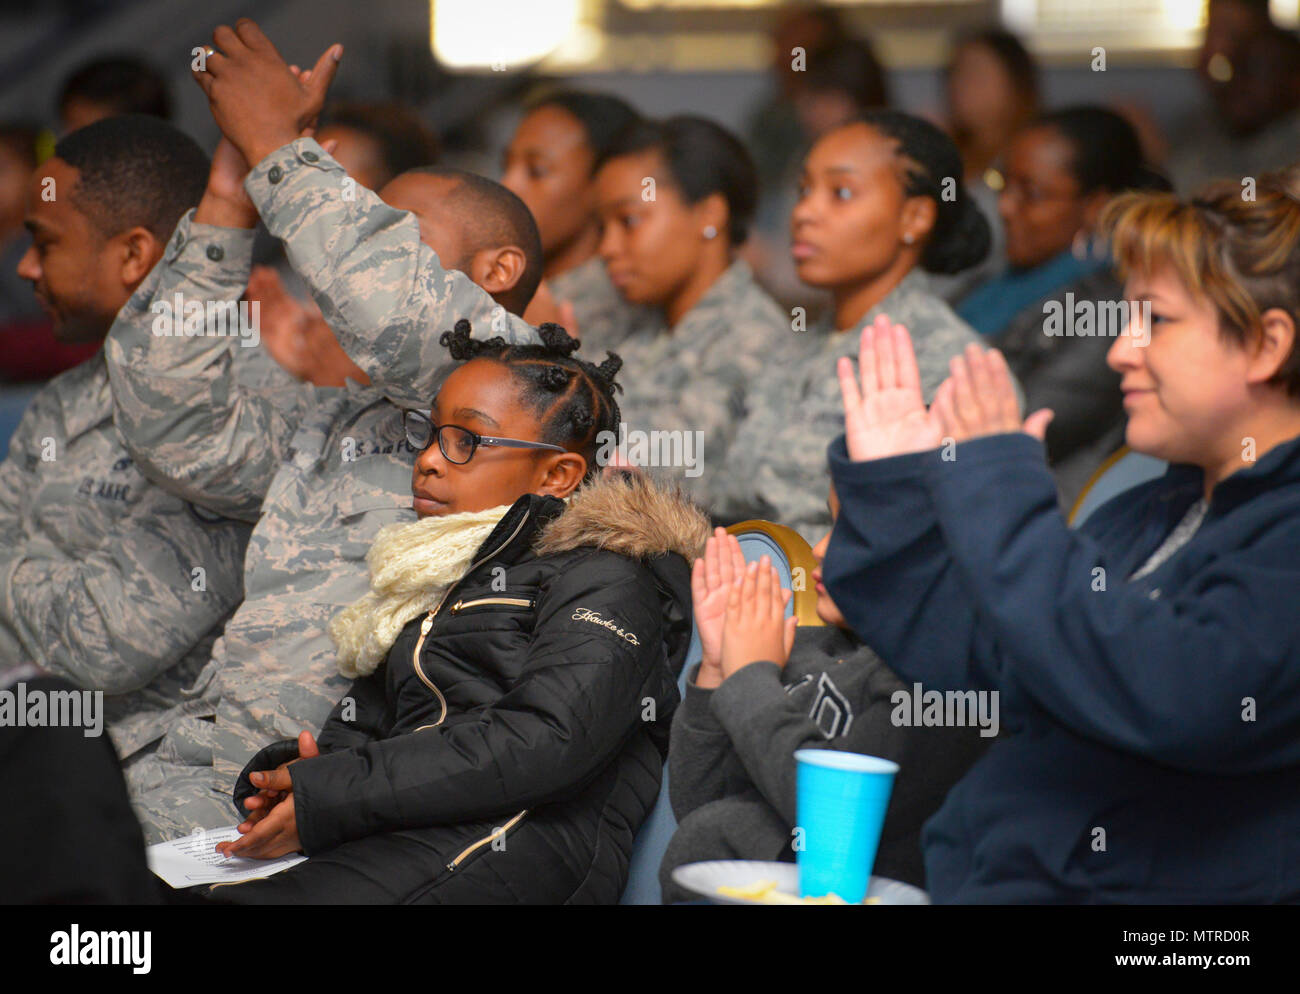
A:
(841, 802)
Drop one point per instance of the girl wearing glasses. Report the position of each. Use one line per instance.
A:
(515, 661)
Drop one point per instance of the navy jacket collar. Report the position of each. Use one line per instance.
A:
(1280, 465)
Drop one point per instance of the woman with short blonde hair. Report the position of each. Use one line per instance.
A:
(1148, 665)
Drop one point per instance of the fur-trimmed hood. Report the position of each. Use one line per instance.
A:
(629, 514)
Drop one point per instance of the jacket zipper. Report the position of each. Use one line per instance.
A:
(419, 644)
(513, 601)
(480, 843)
(428, 624)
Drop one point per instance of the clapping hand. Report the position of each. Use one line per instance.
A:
(887, 416)
(712, 578)
(979, 398)
(755, 628)
(257, 100)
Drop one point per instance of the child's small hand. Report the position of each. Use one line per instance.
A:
(274, 836)
(755, 628)
(276, 784)
(711, 581)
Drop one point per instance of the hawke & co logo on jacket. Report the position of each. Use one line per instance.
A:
(586, 614)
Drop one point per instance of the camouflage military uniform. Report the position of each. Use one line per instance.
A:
(697, 375)
(604, 318)
(108, 580)
(777, 465)
(319, 481)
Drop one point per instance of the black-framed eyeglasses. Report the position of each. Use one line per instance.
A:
(458, 444)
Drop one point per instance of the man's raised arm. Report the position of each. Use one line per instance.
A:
(385, 294)
(176, 401)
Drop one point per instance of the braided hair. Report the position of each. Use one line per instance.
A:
(961, 236)
(572, 398)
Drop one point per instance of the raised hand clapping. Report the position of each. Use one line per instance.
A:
(257, 100)
(887, 416)
(979, 398)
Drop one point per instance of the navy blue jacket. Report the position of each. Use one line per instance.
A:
(1151, 730)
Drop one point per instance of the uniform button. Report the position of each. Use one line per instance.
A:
(216, 253)
(275, 174)
(311, 156)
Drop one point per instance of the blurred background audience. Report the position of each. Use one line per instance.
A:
(1053, 109)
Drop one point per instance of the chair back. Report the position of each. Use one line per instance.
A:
(1122, 470)
(793, 560)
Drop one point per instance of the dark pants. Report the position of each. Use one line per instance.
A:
(742, 826)
(69, 834)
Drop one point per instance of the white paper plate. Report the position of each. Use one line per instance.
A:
(704, 879)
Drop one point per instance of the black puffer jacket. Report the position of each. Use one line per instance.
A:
(537, 697)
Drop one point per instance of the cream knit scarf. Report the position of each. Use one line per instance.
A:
(411, 567)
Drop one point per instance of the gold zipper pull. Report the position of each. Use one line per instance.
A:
(456, 607)
(426, 624)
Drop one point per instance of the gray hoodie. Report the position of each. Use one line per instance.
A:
(739, 740)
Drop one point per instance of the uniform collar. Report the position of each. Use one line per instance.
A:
(735, 281)
(915, 283)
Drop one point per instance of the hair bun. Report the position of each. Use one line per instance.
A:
(959, 240)
(609, 368)
(554, 378)
(459, 341)
(557, 339)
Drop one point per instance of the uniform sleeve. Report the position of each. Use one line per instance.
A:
(15, 474)
(702, 765)
(115, 618)
(1203, 679)
(791, 474)
(385, 294)
(184, 418)
(893, 578)
(576, 704)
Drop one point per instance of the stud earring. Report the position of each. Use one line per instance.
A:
(908, 238)
(710, 231)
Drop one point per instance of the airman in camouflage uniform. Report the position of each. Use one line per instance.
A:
(108, 580)
(320, 482)
(697, 376)
(777, 466)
